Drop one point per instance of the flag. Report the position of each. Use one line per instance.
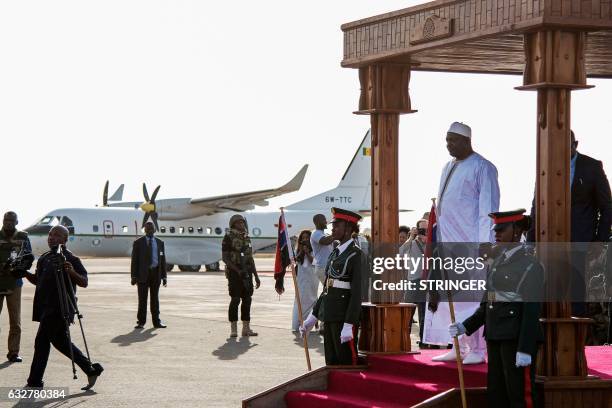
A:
(283, 251)
(432, 229)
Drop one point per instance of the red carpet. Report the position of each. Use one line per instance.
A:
(405, 380)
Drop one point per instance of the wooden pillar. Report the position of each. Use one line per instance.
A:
(384, 96)
(554, 67)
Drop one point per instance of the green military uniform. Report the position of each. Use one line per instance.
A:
(238, 247)
(340, 303)
(8, 245)
(510, 313)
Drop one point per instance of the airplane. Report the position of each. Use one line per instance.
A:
(193, 228)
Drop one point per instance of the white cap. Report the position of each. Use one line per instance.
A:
(460, 129)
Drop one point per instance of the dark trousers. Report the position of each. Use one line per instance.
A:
(239, 290)
(143, 291)
(52, 330)
(337, 353)
(245, 309)
(506, 383)
(421, 307)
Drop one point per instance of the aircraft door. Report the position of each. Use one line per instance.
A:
(108, 229)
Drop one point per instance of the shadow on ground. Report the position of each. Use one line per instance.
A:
(135, 336)
(233, 348)
(315, 342)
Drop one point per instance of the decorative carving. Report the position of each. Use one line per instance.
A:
(384, 88)
(555, 57)
(433, 28)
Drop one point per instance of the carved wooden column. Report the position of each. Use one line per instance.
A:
(384, 96)
(554, 67)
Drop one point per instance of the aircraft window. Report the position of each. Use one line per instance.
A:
(181, 230)
(162, 230)
(95, 228)
(46, 220)
(218, 231)
(172, 230)
(66, 222)
(208, 230)
(200, 230)
(190, 229)
(124, 229)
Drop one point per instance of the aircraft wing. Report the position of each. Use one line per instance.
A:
(248, 201)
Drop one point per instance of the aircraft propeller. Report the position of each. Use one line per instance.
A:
(105, 195)
(149, 206)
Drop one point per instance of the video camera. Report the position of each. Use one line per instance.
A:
(18, 263)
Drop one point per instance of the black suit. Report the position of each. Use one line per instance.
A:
(591, 215)
(147, 278)
(591, 203)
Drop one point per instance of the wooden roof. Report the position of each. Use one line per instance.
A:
(483, 36)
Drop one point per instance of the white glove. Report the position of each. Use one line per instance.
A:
(347, 333)
(307, 325)
(522, 359)
(456, 329)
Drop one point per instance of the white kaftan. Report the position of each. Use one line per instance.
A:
(462, 210)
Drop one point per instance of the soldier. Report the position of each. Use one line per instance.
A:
(339, 306)
(510, 312)
(53, 328)
(13, 242)
(237, 254)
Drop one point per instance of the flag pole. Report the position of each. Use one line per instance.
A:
(297, 296)
(451, 308)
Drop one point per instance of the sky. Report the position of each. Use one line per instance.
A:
(207, 98)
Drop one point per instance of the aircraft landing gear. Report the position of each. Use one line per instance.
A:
(213, 267)
(190, 268)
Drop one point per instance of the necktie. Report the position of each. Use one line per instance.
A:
(149, 253)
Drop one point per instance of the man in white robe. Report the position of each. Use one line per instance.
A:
(468, 192)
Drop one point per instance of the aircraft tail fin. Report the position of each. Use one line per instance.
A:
(354, 190)
(118, 194)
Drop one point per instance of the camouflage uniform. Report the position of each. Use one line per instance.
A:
(238, 246)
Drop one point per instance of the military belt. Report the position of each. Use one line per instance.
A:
(503, 296)
(335, 283)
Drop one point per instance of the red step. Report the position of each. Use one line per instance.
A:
(328, 399)
(412, 367)
(388, 388)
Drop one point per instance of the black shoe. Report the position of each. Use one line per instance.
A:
(139, 326)
(14, 358)
(92, 377)
(35, 385)
(159, 325)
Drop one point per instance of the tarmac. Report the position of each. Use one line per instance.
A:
(191, 363)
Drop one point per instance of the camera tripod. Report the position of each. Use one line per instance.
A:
(68, 308)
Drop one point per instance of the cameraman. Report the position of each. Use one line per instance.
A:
(53, 328)
(12, 241)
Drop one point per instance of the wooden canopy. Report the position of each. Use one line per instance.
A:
(481, 36)
(555, 45)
